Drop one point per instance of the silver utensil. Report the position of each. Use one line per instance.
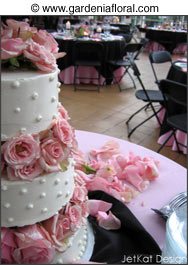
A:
(172, 205)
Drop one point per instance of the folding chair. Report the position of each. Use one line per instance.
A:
(90, 54)
(176, 108)
(130, 52)
(148, 96)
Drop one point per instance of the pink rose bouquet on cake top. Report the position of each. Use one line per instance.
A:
(22, 45)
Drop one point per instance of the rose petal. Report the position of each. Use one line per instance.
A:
(108, 221)
(97, 205)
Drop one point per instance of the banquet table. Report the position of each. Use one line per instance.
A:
(177, 73)
(169, 39)
(112, 47)
(172, 180)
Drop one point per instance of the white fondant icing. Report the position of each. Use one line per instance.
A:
(55, 116)
(60, 193)
(28, 84)
(31, 190)
(66, 182)
(10, 219)
(44, 210)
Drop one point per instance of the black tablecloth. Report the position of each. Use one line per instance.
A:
(112, 50)
(169, 39)
(131, 241)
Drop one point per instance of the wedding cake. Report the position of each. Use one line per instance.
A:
(43, 201)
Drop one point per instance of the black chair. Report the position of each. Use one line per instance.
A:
(159, 57)
(176, 108)
(128, 54)
(148, 96)
(90, 54)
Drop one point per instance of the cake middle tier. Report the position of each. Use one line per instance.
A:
(25, 203)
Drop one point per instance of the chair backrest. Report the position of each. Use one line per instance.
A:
(88, 51)
(132, 50)
(159, 57)
(176, 93)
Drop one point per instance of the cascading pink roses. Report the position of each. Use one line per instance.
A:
(52, 153)
(8, 245)
(39, 56)
(63, 131)
(34, 245)
(20, 155)
(11, 48)
(20, 151)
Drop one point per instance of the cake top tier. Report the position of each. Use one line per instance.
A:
(29, 102)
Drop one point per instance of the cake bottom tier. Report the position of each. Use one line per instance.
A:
(80, 246)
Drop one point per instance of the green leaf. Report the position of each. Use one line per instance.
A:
(88, 169)
(14, 62)
(63, 165)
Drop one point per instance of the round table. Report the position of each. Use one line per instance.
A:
(172, 180)
(113, 47)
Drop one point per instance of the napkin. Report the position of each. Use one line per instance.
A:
(130, 243)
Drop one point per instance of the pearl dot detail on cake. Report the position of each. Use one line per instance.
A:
(59, 90)
(51, 78)
(42, 195)
(10, 219)
(53, 99)
(17, 110)
(23, 191)
(4, 187)
(30, 206)
(39, 118)
(23, 130)
(57, 181)
(35, 95)
(60, 193)
(66, 182)
(15, 84)
(60, 261)
(54, 116)
(67, 194)
(58, 84)
(6, 205)
(44, 210)
(59, 104)
(42, 181)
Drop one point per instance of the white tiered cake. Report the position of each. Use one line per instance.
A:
(43, 200)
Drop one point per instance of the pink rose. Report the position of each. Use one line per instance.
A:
(45, 39)
(8, 245)
(34, 246)
(27, 172)
(52, 153)
(63, 131)
(20, 29)
(40, 57)
(58, 228)
(79, 194)
(63, 112)
(11, 48)
(74, 213)
(21, 151)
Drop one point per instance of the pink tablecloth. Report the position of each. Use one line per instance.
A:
(171, 181)
(67, 75)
